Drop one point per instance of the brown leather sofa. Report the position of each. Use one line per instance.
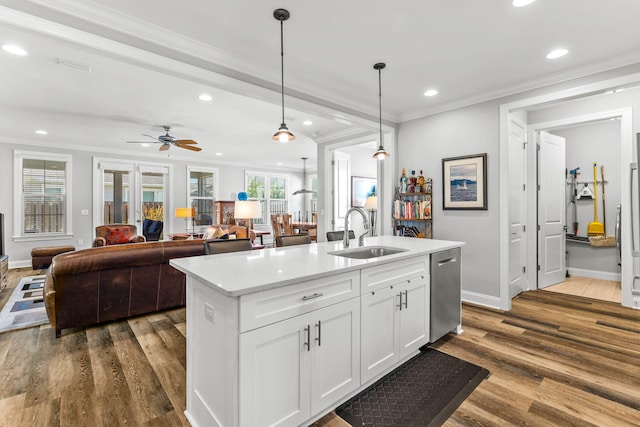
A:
(95, 285)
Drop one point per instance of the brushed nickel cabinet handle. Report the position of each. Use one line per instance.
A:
(307, 331)
(319, 337)
(314, 296)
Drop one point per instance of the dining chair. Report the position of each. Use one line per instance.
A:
(287, 225)
(292, 239)
(276, 224)
(223, 246)
(339, 235)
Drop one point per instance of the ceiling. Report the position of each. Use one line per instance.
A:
(151, 59)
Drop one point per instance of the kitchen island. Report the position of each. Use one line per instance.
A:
(282, 336)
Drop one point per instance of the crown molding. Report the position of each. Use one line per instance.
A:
(521, 89)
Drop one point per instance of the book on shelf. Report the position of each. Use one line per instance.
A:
(415, 209)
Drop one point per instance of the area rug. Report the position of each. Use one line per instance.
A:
(25, 307)
(425, 391)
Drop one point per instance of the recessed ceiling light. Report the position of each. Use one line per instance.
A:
(205, 97)
(146, 145)
(41, 132)
(431, 92)
(218, 154)
(307, 123)
(557, 53)
(520, 3)
(16, 50)
(279, 163)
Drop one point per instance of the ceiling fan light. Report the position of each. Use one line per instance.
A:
(381, 154)
(283, 134)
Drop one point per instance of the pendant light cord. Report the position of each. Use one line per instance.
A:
(282, 64)
(380, 100)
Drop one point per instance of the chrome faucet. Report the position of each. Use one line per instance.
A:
(365, 222)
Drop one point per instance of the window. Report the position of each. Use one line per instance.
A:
(272, 202)
(43, 194)
(202, 190)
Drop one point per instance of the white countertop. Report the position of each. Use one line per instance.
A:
(240, 273)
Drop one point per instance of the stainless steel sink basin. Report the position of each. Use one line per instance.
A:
(368, 252)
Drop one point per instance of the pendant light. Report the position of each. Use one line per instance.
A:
(304, 179)
(283, 134)
(380, 154)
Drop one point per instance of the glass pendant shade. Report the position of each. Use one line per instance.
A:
(283, 134)
(381, 154)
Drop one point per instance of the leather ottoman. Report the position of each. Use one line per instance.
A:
(41, 257)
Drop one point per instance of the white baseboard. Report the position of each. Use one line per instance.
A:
(481, 299)
(594, 274)
(19, 263)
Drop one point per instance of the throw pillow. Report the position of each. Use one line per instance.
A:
(220, 233)
(117, 235)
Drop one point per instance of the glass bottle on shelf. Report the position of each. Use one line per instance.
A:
(420, 188)
(413, 182)
(403, 181)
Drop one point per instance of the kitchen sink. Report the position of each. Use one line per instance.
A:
(368, 252)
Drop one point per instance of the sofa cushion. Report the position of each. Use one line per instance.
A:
(117, 235)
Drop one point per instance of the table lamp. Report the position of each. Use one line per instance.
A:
(247, 210)
(371, 205)
(186, 213)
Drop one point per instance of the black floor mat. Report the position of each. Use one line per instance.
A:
(425, 391)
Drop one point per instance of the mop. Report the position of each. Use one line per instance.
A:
(595, 228)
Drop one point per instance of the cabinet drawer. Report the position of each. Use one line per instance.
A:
(273, 305)
(375, 278)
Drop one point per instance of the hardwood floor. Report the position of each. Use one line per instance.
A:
(605, 290)
(554, 360)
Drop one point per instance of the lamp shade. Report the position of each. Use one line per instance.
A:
(371, 203)
(185, 212)
(246, 209)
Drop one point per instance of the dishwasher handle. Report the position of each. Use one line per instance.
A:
(447, 261)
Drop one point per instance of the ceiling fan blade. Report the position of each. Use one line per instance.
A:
(186, 141)
(140, 142)
(188, 147)
(165, 147)
(152, 137)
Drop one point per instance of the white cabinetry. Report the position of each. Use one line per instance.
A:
(295, 368)
(395, 315)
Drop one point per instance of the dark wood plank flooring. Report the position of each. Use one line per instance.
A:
(554, 360)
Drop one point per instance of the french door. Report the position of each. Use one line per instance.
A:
(129, 193)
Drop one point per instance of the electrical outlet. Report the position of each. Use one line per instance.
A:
(80, 242)
(208, 312)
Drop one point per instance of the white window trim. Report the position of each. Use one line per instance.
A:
(267, 190)
(216, 176)
(133, 166)
(18, 157)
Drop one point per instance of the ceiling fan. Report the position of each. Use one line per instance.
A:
(167, 140)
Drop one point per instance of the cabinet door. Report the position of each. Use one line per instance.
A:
(379, 339)
(274, 374)
(413, 316)
(335, 353)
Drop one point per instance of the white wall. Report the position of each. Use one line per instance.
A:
(230, 181)
(423, 143)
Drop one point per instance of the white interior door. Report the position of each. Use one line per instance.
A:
(517, 210)
(341, 188)
(551, 210)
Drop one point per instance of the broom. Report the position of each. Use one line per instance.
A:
(595, 228)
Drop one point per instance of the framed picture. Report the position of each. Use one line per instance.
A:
(361, 188)
(464, 182)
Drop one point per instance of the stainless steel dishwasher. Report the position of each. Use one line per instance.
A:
(445, 293)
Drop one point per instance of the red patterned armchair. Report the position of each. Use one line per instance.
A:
(116, 234)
